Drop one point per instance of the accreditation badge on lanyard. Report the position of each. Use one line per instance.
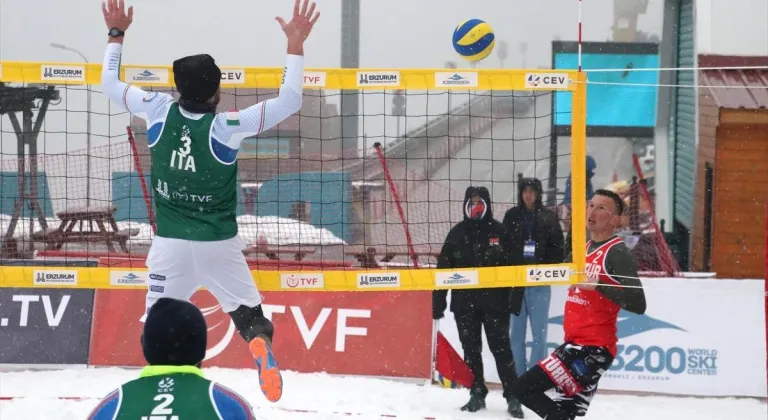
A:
(529, 247)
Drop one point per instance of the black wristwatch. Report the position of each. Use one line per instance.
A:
(116, 33)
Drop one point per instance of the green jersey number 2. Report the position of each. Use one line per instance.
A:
(180, 158)
(163, 409)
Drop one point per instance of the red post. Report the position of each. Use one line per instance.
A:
(396, 197)
(144, 190)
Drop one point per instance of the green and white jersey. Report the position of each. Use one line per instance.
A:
(194, 179)
(194, 156)
(172, 393)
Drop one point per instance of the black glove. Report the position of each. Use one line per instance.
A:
(439, 304)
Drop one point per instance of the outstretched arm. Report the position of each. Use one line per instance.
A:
(232, 128)
(131, 98)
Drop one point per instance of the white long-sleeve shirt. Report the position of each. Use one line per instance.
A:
(153, 106)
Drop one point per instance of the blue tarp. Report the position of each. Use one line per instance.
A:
(9, 193)
(329, 195)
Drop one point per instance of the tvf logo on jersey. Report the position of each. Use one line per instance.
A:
(180, 158)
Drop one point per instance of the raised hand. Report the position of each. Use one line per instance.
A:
(115, 15)
(298, 29)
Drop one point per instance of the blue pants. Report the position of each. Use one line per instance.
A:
(536, 308)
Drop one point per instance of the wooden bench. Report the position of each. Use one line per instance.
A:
(273, 252)
(366, 256)
(95, 224)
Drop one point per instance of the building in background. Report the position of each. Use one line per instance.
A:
(691, 28)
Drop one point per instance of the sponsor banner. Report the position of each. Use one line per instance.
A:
(56, 72)
(548, 274)
(45, 326)
(302, 281)
(146, 75)
(712, 345)
(314, 79)
(128, 278)
(378, 78)
(456, 278)
(233, 76)
(546, 81)
(454, 79)
(367, 281)
(55, 277)
(352, 333)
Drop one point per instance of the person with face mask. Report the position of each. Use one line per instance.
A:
(537, 238)
(481, 241)
(194, 176)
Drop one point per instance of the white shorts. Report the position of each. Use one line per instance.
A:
(178, 268)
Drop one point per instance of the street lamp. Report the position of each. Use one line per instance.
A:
(88, 124)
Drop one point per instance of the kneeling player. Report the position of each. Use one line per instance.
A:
(591, 313)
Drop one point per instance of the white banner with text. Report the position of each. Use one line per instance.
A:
(703, 337)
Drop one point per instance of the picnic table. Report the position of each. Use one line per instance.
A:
(367, 255)
(95, 225)
(273, 252)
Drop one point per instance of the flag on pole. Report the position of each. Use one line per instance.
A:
(450, 366)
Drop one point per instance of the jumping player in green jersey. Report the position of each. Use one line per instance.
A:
(194, 177)
(173, 386)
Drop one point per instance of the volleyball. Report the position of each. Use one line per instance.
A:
(474, 40)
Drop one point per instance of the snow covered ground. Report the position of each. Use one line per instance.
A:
(318, 396)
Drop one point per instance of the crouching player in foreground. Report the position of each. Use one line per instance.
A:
(173, 386)
(194, 172)
(591, 313)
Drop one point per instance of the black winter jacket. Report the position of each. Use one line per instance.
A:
(477, 243)
(545, 228)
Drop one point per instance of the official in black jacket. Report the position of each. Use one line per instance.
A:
(481, 241)
(536, 238)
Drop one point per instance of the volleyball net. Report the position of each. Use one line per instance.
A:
(370, 174)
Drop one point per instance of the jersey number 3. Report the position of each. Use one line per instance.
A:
(162, 410)
(180, 158)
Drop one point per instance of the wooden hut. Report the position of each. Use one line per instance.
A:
(729, 233)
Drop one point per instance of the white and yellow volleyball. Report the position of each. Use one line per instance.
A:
(474, 40)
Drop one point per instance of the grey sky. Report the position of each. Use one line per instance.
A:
(394, 33)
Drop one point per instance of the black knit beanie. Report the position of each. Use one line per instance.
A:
(175, 334)
(197, 77)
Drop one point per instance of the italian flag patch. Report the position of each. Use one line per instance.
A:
(233, 118)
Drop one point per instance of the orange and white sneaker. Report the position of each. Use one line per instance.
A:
(270, 380)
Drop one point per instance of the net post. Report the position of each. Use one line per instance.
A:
(579, 173)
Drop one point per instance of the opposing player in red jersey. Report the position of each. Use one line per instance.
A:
(591, 313)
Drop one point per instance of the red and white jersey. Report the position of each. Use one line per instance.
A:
(590, 317)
